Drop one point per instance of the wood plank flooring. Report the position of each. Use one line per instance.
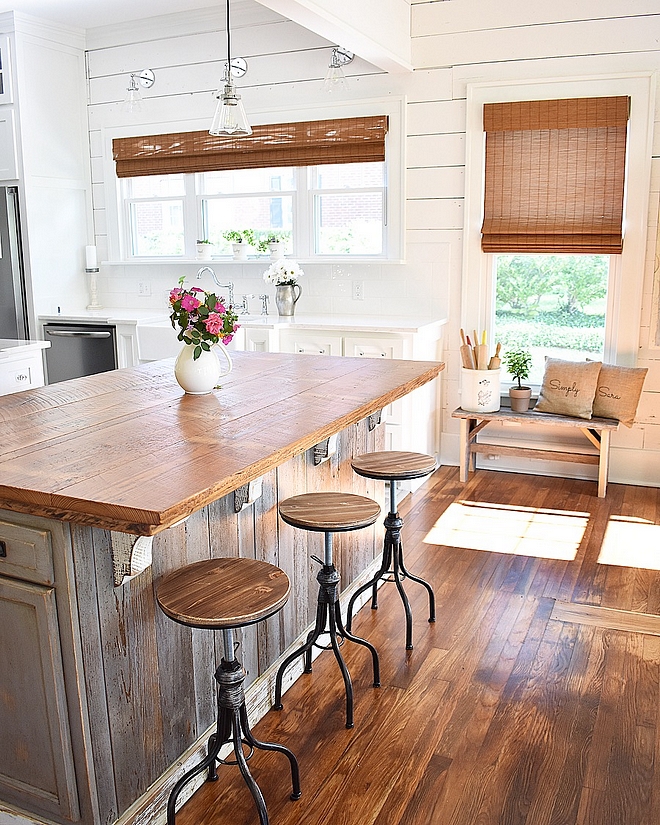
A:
(533, 700)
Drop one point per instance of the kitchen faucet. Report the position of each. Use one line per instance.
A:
(244, 308)
(229, 287)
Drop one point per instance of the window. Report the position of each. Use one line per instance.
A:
(319, 185)
(349, 208)
(551, 305)
(155, 215)
(326, 210)
(257, 199)
(481, 307)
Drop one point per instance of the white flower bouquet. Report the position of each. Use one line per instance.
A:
(283, 273)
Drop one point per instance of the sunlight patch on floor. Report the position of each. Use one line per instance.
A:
(499, 528)
(631, 542)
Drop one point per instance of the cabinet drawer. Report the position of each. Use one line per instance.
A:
(21, 374)
(26, 553)
(373, 347)
(311, 342)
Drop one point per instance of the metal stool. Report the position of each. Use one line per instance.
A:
(393, 467)
(328, 513)
(226, 594)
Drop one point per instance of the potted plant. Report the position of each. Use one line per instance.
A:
(240, 241)
(204, 249)
(518, 363)
(275, 245)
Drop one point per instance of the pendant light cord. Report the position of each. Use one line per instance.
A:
(228, 45)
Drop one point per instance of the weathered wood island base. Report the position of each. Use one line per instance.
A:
(102, 694)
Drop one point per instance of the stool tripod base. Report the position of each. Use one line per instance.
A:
(233, 726)
(394, 566)
(328, 619)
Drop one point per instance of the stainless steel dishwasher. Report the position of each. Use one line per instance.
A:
(79, 349)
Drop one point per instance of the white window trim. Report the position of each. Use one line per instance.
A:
(625, 304)
(393, 107)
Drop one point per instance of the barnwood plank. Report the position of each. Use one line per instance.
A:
(128, 451)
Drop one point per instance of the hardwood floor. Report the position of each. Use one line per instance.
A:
(534, 698)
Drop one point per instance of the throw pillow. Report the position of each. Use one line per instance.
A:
(618, 391)
(568, 387)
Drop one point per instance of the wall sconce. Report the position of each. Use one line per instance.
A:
(133, 100)
(335, 80)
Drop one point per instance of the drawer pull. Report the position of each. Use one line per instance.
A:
(3, 550)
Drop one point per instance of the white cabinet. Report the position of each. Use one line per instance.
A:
(311, 342)
(8, 159)
(411, 423)
(21, 365)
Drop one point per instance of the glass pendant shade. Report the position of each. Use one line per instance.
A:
(133, 100)
(335, 80)
(229, 117)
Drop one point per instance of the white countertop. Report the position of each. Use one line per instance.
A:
(10, 347)
(357, 323)
(107, 315)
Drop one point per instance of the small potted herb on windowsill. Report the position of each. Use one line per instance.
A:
(204, 250)
(240, 241)
(518, 363)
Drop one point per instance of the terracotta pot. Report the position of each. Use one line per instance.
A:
(520, 398)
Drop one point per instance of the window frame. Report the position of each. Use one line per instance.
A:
(623, 316)
(393, 107)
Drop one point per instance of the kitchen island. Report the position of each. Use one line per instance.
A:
(101, 694)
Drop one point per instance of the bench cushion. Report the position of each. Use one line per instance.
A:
(568, 387)
(618, 391)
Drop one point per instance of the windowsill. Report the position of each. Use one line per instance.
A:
(220, 262)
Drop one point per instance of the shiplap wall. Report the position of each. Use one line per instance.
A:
(454, 43)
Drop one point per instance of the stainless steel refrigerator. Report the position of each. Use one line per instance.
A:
(13, 305)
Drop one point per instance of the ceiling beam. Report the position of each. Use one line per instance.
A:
(376, 30)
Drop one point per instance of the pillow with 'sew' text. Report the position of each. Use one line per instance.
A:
(618, 391)
(568, 387)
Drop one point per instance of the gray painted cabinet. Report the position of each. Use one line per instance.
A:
(37, 768)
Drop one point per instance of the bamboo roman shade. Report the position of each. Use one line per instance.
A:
(345, 140)
(555, 175)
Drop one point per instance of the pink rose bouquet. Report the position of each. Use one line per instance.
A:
(202, 318)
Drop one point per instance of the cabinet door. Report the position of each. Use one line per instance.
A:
(18, 374)
(258, 340)
(8, 162)
(311, 342)
(36, 759)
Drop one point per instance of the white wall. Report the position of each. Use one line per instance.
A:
(453, 43)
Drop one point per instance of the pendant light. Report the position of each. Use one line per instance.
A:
(230, 118)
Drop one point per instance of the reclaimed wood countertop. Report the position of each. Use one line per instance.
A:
(127, 450)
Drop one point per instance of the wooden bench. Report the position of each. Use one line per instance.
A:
(596, 431)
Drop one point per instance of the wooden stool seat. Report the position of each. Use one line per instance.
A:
(329, 512)
(223, 593)
(394, 465)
